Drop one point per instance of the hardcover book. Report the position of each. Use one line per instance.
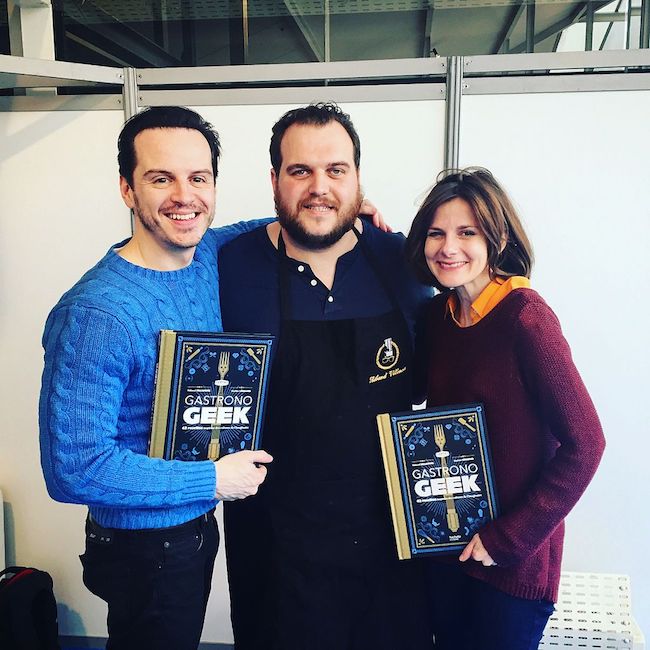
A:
(210, 394)
(439, 475)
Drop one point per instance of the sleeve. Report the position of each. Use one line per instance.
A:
(225, 234)
(563, 402)
(83, 402)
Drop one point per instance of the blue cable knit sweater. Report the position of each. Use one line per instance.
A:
(100, 345)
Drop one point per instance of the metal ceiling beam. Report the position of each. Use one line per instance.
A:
(611, 16)
(609, 27)
(427, 45)
(552, 30)
(511, 22)
(118, 41)
(293, 6)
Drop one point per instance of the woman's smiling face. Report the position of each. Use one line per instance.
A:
(456, 248)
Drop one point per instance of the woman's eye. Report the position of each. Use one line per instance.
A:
(468, 233)
(434, 233)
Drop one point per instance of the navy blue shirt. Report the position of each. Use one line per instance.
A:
(248, 282)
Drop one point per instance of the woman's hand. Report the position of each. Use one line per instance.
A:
(476, 551)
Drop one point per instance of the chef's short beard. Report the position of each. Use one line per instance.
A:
(290, 221)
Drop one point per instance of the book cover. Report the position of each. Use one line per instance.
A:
(210, 394)
(439, 475)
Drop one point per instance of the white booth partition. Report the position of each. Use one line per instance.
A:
(61, 212)
(577, 165)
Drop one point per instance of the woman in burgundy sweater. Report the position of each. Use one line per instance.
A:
(494, 340)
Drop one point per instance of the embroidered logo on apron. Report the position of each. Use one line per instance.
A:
(387, 355)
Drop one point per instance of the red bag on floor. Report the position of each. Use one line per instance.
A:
(28, 617)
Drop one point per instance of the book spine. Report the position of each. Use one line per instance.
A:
(162, 393)
(394, 490)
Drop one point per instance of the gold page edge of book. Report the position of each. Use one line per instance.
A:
(394, 490)
(162, 397)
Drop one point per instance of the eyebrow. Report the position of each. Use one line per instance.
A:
(153, 172)
(296, 166)
(457, 227)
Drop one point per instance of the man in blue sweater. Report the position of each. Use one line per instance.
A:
(151, 536)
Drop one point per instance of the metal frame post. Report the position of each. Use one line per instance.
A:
(327, 34)
(130, 93)
(644, 34)
(452, 110)
(530, 26)
(589, 26)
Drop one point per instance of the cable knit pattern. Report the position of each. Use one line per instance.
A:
(544, 432)
(100, 345)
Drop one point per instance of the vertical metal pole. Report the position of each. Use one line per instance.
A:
(130, 101)
(326, 17)
(244, 17)
(628, 24)
(644, 34)
(530, 26)
(589, 27)
(452, 110)
(130, 93)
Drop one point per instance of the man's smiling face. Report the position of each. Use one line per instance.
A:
(317, 193)
(173, 193)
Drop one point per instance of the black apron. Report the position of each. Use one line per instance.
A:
(325, 496)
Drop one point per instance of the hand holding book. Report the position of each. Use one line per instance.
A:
(239, 475)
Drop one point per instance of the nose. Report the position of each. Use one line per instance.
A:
(182, 192)
(319, 184)
(449, 246)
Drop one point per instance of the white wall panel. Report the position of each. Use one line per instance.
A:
(61, 212)
(577, 166)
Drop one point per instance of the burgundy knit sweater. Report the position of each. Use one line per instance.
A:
(545, 436)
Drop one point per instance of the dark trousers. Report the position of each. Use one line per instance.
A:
(468, 614)
(156, 582)
(323, 607)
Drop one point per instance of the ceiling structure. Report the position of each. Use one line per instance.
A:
(168, 33)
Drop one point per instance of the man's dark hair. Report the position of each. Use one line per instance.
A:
(317, 115)
(162, 117)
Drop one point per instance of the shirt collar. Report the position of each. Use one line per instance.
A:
(489, 298)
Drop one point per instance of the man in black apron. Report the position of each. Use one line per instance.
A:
(312, 561)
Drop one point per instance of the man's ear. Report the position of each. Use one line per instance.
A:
(127, 193)
(274, 180)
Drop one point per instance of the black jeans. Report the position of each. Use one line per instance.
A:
(156, 582)
(468, 614)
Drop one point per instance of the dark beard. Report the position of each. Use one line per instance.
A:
(295, 229)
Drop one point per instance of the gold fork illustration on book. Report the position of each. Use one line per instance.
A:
(222, 368)
(440, 440)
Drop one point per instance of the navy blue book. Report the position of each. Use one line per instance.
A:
(210, 394)
(439, 476)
